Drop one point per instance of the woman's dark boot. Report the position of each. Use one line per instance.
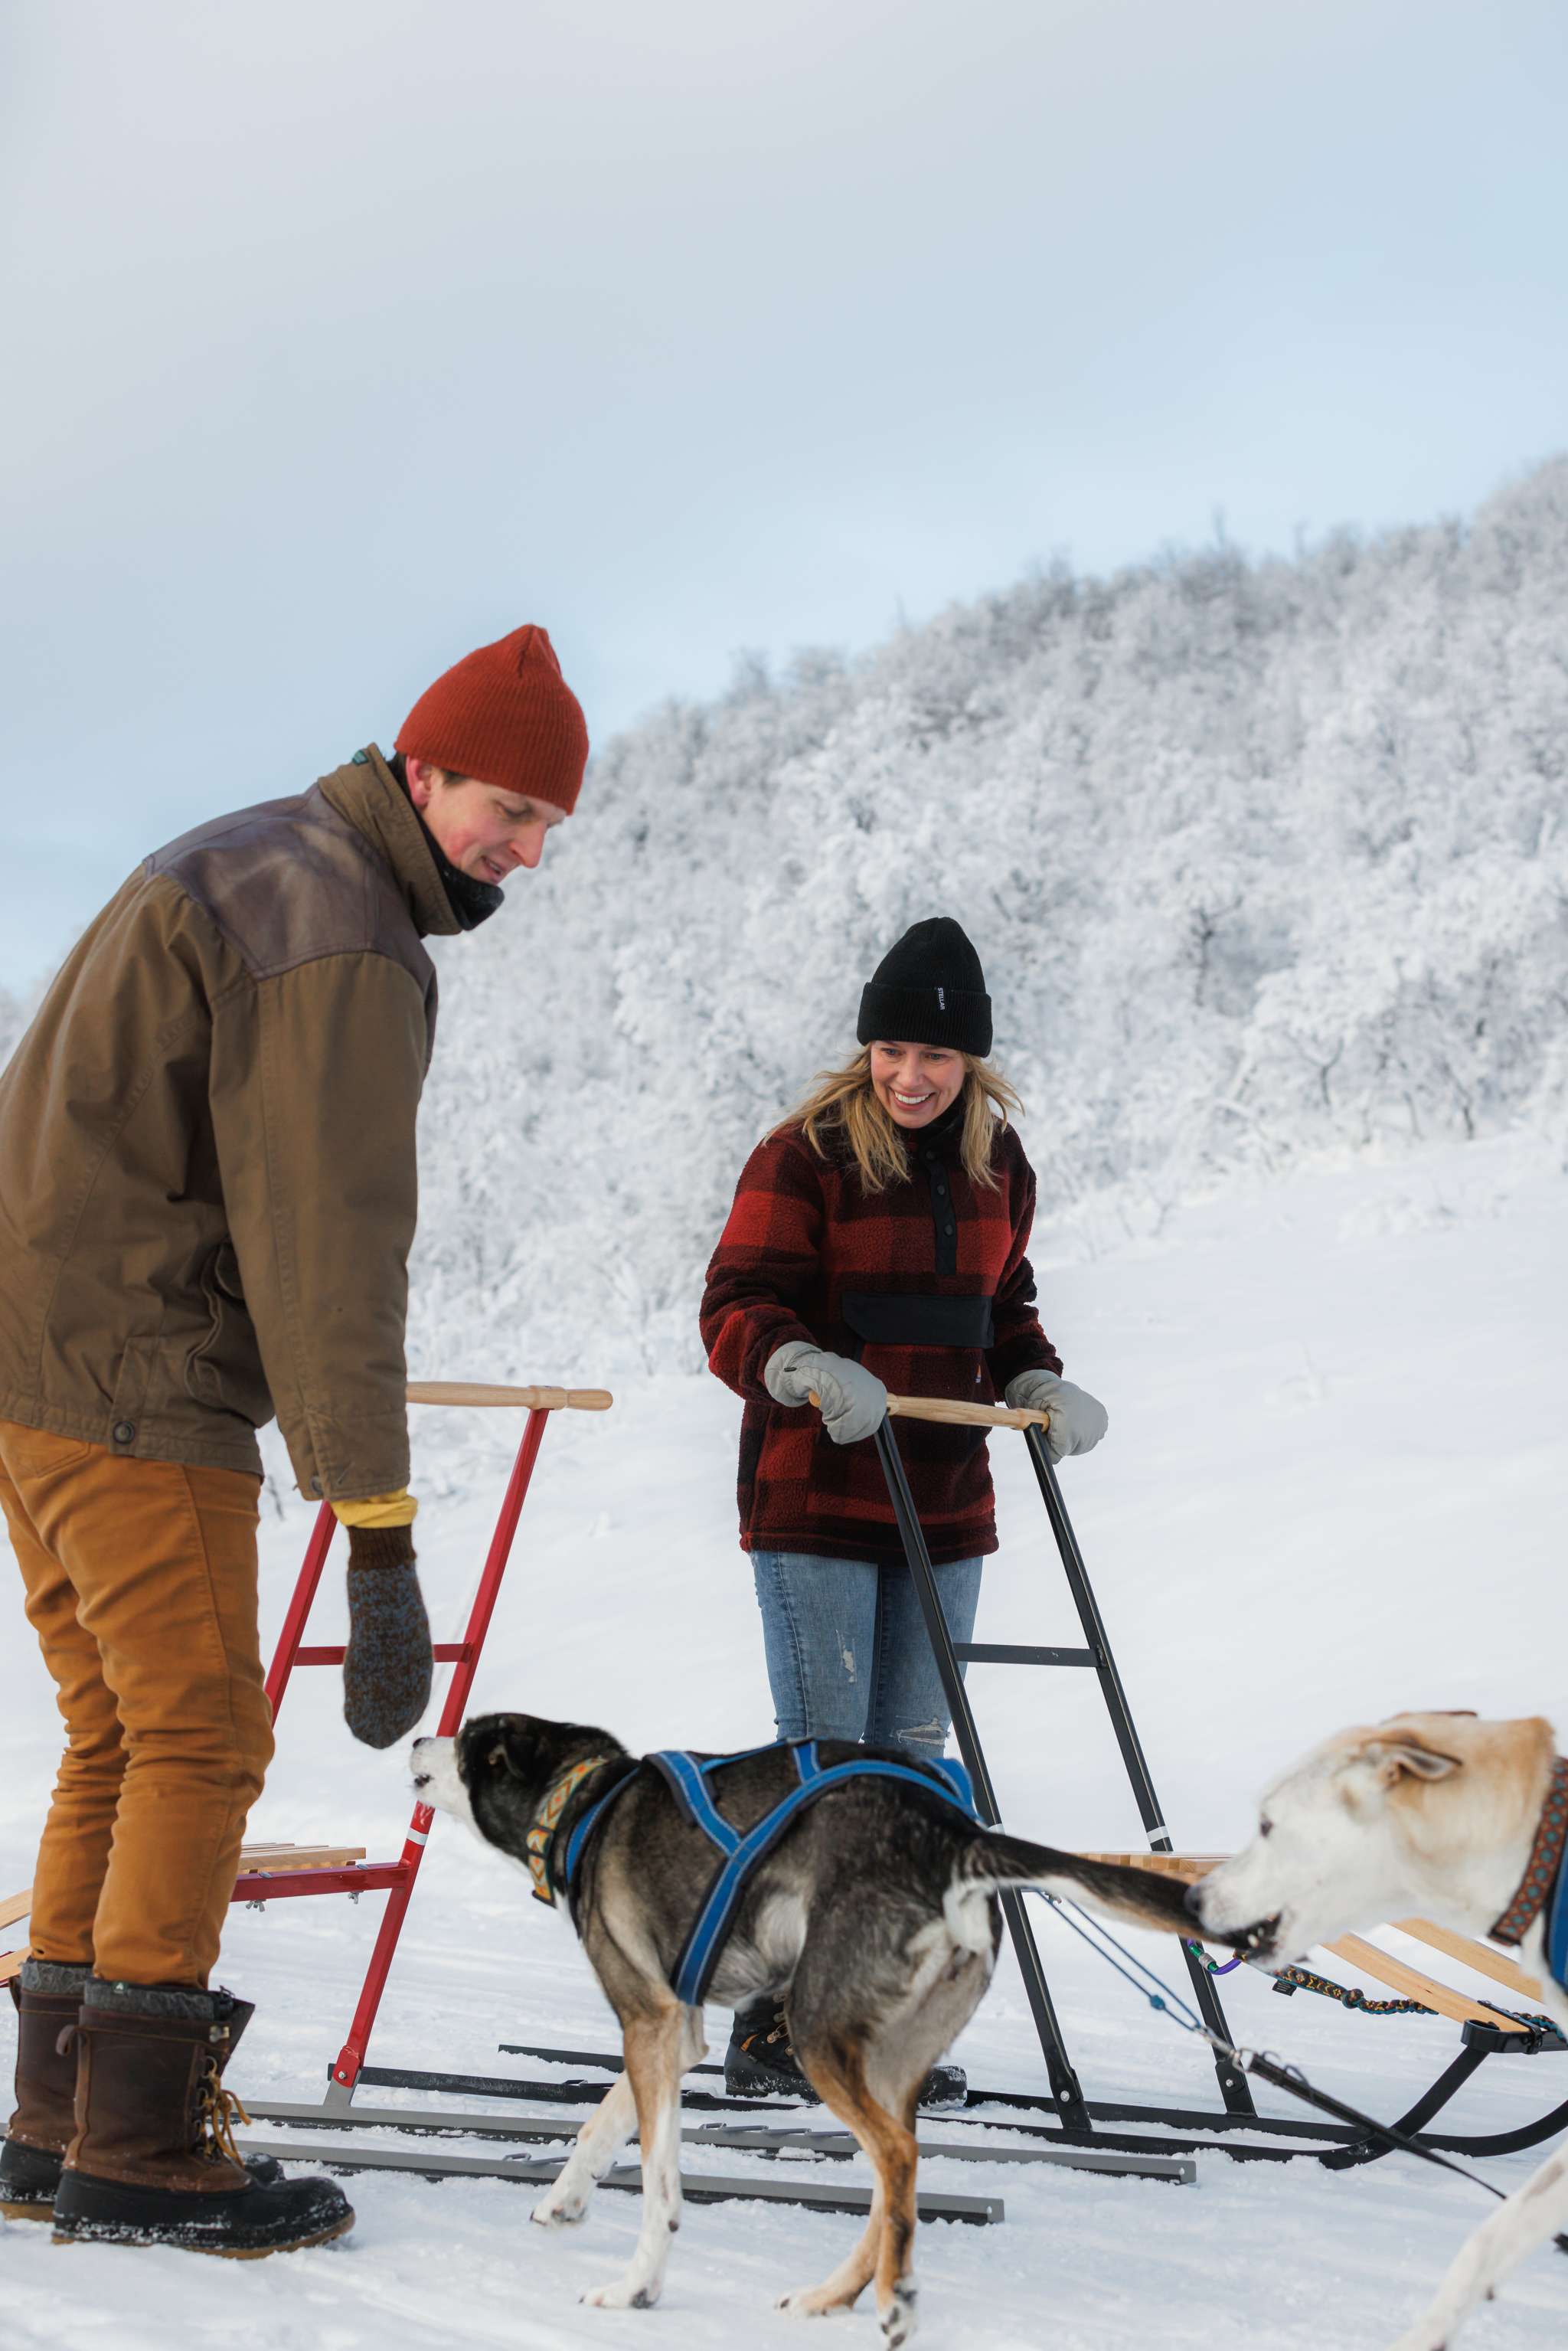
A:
(47, 1995)
(760, 2062)
(153, 2161)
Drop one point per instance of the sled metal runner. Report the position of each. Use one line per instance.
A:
(697, 2187)
(1195, 2129)
(806, 2132)
(806, 2137)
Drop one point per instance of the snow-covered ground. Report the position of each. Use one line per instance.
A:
(1333, 1487)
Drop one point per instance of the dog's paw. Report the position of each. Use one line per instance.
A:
(555, 2212)
(811, 2301)
(624, 2293)
(899, 2319)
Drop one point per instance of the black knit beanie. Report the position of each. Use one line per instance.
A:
(929, 989)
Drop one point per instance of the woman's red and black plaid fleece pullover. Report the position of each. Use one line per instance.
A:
(926, 1283)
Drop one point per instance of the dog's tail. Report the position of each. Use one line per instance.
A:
(1140, 1897)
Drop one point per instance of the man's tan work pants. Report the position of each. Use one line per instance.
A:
(140, 1580)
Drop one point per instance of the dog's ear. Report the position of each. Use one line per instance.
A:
(513, 1747)
(1398, 1758)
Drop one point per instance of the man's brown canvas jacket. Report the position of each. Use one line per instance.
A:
(207, 1176)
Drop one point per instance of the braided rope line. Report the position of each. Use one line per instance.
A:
(1293, 1979)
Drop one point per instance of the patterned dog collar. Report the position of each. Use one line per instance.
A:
(1545, 1860)
(546, 1819)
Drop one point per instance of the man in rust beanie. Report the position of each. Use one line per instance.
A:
(228, 1070)
(491, 756)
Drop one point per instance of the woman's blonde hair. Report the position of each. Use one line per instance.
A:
(844, 1107)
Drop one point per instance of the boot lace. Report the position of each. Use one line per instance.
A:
(219, 2111)
(776, 2037)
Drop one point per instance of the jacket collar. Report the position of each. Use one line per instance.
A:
(367, 794)
(943, 1137)
(472, 901)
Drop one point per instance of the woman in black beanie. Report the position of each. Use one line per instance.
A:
(876, 1243)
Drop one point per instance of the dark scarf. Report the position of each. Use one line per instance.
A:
(472, 901)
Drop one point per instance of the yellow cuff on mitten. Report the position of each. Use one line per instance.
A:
(377, 1510)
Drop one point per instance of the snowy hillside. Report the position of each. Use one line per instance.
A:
(1261, 860)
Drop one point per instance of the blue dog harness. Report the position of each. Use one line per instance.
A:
(740, 1851)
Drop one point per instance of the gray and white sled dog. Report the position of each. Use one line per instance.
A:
(1430, 1815)
(874, 1914)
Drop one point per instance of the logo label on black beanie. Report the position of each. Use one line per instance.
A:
(941, 1000)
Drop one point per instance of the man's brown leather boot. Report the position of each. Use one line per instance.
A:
(153, 2161)
(47, 1995)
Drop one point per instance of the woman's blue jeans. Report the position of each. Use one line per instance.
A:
(848, 1656)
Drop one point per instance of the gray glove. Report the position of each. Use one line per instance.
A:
(1077, 1420)
(854, 1400)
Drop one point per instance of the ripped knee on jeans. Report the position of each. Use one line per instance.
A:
(923, 1738)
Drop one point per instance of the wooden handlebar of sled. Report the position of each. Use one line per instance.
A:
(480, 1392)
(972, 1415)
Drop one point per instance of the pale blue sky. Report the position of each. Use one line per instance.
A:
(342, 337)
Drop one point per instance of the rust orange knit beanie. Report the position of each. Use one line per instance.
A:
(506, 716)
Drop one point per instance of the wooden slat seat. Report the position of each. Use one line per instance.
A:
(1471, 1954)
(1409, 1983)
(266, 1860)
(270, 1859)
(1189, 1865)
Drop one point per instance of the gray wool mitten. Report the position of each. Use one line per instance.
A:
(854, 1400)
(1077, 1420)
(388, 1664)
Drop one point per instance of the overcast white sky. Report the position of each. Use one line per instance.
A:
(340, 338)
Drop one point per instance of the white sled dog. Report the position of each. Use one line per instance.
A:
(1430, 1815)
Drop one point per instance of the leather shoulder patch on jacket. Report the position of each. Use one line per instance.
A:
(290, 881)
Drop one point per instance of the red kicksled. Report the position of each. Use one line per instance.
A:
(397, 1878)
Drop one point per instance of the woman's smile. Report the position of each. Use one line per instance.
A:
(915, 1084)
